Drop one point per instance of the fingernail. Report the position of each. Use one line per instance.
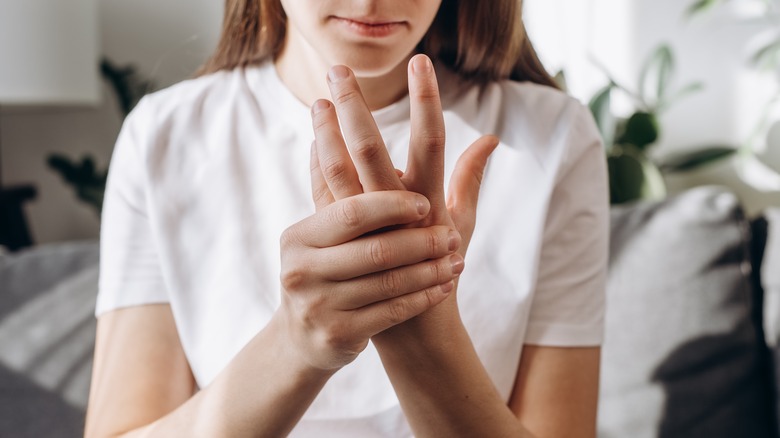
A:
(453, 240)
(338, 73)
(447, 287)
(422, 64)
(422, 206)
(319, 105)
(457, 264)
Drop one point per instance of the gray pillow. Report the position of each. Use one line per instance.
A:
(47, 335)
(682, 355)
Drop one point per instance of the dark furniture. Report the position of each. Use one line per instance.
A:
(14, 233)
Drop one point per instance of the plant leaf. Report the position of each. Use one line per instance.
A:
(601, 108)
(560, 79)
(632, 176)
(690, 160)
(701, 6)
(691, 88)
(641, 130)
(768, 57)
(656, 74)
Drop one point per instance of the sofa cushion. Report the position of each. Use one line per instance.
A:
(683, 355)
(47, 335)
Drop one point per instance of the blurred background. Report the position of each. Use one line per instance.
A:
(163, 41)
(685, 92)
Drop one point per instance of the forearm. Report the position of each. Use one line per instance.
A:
(263, 392)
(441, 383)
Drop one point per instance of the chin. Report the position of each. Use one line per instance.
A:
(372, 62)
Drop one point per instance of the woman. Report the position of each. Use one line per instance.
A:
(203, 331)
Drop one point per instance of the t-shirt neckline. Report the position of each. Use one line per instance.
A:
(265, 83)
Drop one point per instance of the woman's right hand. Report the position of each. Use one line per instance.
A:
(343, 283)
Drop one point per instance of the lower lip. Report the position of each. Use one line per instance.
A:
(370, 30)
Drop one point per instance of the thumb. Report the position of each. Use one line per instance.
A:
(463, 192)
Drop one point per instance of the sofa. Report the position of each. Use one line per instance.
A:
(691, 343)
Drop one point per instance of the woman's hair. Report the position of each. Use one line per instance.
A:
(480, 40)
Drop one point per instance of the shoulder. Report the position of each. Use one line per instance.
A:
(528, 118)
(536, 113)
(172, 118)
(190, 97)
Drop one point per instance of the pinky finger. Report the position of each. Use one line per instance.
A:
(378, 317)
(320, 192)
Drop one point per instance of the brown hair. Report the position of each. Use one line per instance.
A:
(482, 41)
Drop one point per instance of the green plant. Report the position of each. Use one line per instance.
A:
(765, 17)
(766, 55)
(89, 182)
(628, 140)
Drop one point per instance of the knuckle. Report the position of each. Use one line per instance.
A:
(334, 170)
(350, 213)
(428, 94)
(379, 252)
(292, 278)
(368, 147)
(432, 243)
(320, 121)
(438, 272)
(346, 96)
(397, 311)
(433, 140)
(320, 195)
(428, 297)
(391, 282)
(338, 336)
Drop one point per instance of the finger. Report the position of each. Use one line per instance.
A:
(378, 317)
(362, 136)
(320, 192)
(352, 217)
(392, 283)
(425, 171)
(336, 165)
(463, 192)
(387, 250)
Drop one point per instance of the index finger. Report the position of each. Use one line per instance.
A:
(373, 164)
(349, 218)
(425, 169)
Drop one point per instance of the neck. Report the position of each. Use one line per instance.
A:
(303, 71)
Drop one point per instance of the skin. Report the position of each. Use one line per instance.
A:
(387, 271)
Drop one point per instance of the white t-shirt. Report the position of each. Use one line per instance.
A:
(208, 173)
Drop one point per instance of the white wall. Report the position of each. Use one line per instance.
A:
(166, 40)
(711, 48)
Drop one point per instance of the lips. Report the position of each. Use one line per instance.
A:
(369, 26)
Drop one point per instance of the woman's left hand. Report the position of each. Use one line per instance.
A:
(372, 168)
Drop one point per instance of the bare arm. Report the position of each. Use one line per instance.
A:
(557, 389)
(339, 288)
(143, 386)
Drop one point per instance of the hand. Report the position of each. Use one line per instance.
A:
(372, 169)
(343, 283)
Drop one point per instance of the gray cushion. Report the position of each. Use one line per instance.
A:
(683, 356)
(47, 335)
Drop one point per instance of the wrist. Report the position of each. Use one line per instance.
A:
(284, 350)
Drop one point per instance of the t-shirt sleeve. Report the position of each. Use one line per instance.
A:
(569, 300)
(130, 272)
